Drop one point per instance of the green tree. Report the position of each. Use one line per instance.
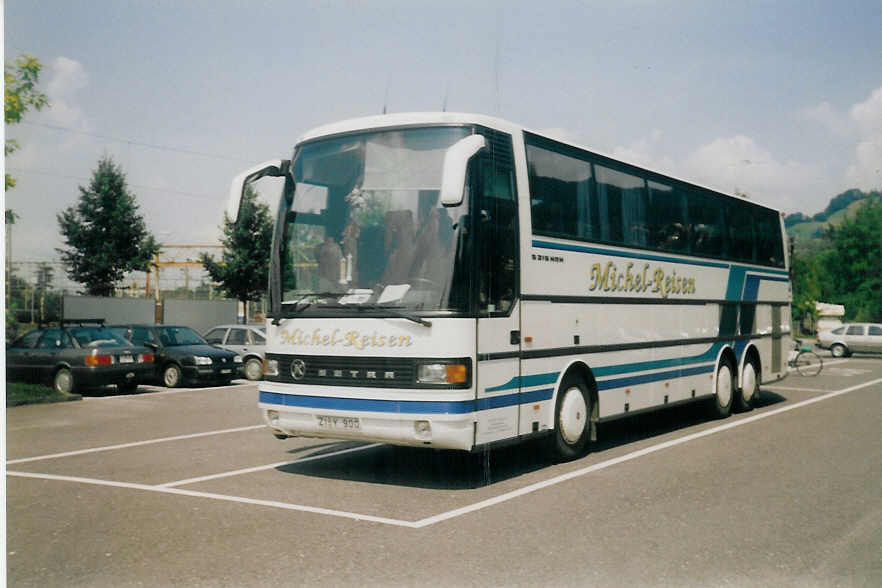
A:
(243, 269)
(20, 95)
(105, 235)
(855, 262)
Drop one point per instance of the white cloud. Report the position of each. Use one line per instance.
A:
(868, 114)
(866, 171)
(740, 164)
(645, 152)
(66, 78)
(826, 116)
(862, 123)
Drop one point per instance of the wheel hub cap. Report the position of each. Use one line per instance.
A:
(573, 415)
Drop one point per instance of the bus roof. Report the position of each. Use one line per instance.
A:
(405, 119)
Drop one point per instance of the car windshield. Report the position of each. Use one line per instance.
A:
(172, 336)
(97, 337)
(366, 228)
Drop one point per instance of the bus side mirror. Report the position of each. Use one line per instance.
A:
(456, 161)
(275, 168)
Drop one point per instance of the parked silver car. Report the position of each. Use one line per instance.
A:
(249, 341)
(844, 340)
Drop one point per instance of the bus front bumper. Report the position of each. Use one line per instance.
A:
(438, 430)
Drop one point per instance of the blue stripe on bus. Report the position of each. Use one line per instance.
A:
(369, 405)
(657, 376)
(649, 257)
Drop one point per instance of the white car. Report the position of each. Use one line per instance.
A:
(249, 341)
(843, 341)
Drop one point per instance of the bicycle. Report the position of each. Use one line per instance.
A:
(804, 360)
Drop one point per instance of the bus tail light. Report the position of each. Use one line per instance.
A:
(442, 373)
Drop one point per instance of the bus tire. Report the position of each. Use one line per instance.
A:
(724, 389)
(572, 419)
(749, 392)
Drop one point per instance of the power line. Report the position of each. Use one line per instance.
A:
(131, 142)
(141, 186)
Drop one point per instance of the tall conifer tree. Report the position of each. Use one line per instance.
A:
(105, 235)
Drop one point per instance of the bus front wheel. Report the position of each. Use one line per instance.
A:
(572, 419)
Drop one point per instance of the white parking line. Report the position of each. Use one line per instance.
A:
(630, 456)
(222, 497)
(773, 387)
(133, 444)
(452, 513)
(266, 467)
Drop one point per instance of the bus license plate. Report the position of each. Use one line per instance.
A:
(338, 423)
(126, 359)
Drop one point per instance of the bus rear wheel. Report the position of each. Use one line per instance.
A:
(572, 419)
(724, 389)
(750, 390)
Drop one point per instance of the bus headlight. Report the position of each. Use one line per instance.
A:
(270, 367)
(442, 373)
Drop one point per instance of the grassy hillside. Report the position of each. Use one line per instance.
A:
(809, 235)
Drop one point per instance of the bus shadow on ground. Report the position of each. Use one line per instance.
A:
(439, 469)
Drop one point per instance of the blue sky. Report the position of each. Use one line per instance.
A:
(781, 100)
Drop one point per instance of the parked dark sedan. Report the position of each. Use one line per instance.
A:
(78, 356)
(182, 356)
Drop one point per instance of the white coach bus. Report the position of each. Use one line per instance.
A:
(456, 281)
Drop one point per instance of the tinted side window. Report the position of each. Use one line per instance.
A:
(874, 331)
(839, 331)
(560, 194)
(52, 339)
(739, 227)
(621, 201)
(705, 225)
(258, 338)
(855, 330)
(769, 245)
(28, 340)
(141, 335)
(666, 218)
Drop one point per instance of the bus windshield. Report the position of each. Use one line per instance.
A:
(365, 229)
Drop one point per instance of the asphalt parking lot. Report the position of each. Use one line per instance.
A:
(186, 487)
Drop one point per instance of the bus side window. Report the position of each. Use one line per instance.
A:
(560, 195)
(497, 240)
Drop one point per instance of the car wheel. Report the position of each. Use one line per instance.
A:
(572, 419)
(172, 376)
(724, 391)
(839, 350)
(253, 369)
(64, 381)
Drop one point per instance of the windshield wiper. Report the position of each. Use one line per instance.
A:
(296, 304)
(393, 310)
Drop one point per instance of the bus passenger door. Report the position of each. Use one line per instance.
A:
(499, 322)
